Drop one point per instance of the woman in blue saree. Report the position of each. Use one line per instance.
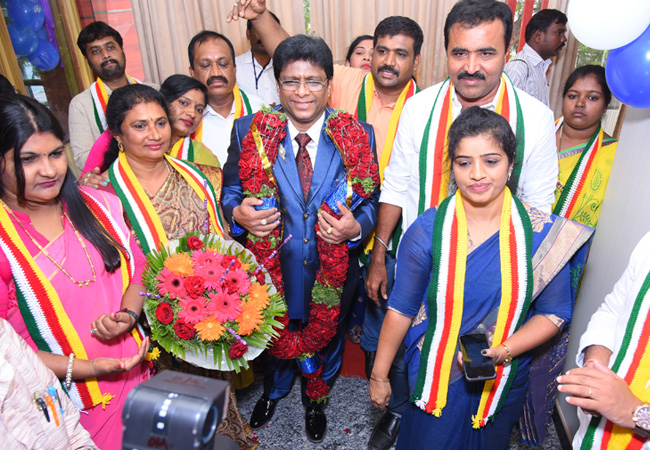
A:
(482, 262)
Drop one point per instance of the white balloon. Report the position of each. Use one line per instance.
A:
(607, 24)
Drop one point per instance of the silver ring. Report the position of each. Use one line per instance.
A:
(263, 222)
(235, 4)
(93, 331)
(591, 393)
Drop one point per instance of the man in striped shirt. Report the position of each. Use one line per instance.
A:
(545, 38)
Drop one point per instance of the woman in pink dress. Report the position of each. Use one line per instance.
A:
(70, 271)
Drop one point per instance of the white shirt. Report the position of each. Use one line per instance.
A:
(527, 70)
(313, 132)
(257, 79)
(217, 129)
(607, 325)
(540, 167)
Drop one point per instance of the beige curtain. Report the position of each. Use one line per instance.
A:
(339, 22)
(165, 28)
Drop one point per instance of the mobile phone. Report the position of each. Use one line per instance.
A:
(476, 366)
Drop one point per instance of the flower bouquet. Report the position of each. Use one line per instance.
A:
(210, 303)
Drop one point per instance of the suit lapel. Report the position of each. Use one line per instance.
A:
(324, 161)
(288, 168)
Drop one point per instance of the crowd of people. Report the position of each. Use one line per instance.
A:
(477, 217)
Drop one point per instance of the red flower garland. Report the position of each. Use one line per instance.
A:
(351, 140)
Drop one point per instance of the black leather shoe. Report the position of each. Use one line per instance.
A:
(263, 411)
(370, 362)
(385, 432)
(315, 423)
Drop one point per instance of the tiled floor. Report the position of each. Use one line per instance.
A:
(349, 413)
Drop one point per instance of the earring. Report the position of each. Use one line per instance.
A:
(509, 175)
(120, 146)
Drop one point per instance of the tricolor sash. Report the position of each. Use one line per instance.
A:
(183, 149)
(143, 217)
(363, 107)
(581, 196)
(632, 363)
(100, 100)
(434, 164)
(242, 108)
(40, 306)
(446, 296)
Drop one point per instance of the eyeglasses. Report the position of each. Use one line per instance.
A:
(312, 85)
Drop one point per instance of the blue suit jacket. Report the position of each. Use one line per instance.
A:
(299, 256)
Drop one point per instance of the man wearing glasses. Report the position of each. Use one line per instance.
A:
(307, 169)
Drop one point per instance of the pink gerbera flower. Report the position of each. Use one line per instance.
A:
(206, 258)
(171, 284)
(224, 306)
(211, 273)
(237, 282)
(192, 310)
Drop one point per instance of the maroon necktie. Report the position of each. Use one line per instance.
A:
(305, 169)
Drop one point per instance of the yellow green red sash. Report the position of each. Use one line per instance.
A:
(632, 363)
(40, 306)
(581, 196)
(145, 221)
(100, 100)
(446, 296)
(434, 165)
(183, 149)
(242, 108)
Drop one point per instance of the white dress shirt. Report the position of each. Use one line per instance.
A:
(540, 166)
(313, 132)
(257, 79)
(217, 129)
(608, 324)
(527, 70)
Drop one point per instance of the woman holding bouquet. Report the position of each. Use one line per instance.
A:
(466, 267)
(70, 271)
(164, 198)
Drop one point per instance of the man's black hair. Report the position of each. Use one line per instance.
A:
(303, 48)
(544, 19)
(94, 31)
(394, 25)
(204, 36)
(471, 13)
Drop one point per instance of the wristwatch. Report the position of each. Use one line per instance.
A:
(132, 314)
(641, 418)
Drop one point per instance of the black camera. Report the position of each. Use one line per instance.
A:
(175, 411)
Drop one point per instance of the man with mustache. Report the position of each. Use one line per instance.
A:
(101, 45)
(255, 68)
(545, 38)
(477, 37)
(376, 98)
(212, 62)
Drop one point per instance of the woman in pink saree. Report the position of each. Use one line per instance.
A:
(70, 271)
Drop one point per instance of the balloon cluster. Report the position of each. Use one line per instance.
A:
(28, 34)
(622, 27)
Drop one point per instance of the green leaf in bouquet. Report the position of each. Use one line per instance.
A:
(326, 295)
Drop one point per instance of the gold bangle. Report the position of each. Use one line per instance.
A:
(387, 380)
(508, 360)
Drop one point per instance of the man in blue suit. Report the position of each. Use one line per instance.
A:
(303, 68)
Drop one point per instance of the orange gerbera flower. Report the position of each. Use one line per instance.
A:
(258, 295)
(250, 319)
(209, 329)
(180, 264)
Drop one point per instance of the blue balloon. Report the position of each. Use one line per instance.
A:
(27, 13)
(23, 39)
(628, 72)
(46, 57)
(42, 34)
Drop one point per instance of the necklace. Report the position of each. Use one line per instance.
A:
(81, 283)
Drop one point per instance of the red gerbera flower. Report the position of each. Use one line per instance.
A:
(192, 310)
(224, 306)
(212, 274)
(237, 282)
(171, 284)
